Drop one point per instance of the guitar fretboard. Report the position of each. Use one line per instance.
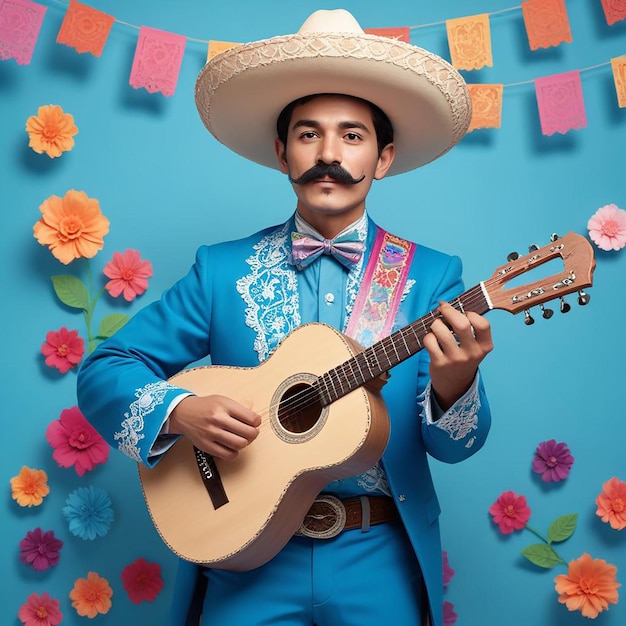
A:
(390, 351)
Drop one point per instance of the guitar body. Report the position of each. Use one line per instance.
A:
(274, 481)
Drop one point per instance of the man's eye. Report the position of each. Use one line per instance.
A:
(308, 135)
(352, 136)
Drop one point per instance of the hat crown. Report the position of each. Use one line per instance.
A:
(330, 21)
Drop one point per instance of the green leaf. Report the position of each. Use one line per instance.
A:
(71, 291)
(111, 324)
(542, 555)
(563, 527)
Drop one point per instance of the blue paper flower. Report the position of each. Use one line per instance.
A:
(89, 513)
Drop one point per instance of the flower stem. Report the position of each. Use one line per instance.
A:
(535, 532)
(91, 305)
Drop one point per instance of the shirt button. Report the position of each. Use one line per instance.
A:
(330, 298)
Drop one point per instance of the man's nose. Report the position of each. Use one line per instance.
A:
(329, 151)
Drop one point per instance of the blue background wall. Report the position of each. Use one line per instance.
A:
(167, 187)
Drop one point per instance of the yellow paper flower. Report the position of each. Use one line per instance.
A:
(29, 487)
(91, 595)
(51, 131)
(72, 226)
(589, 586)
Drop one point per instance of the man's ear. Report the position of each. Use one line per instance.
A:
(384, 161)
(281, 155)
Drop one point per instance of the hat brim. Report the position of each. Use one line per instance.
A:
(241, 92)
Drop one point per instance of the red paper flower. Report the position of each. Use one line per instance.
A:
(76, 442)
(552, 460)
(63, 349)
(607, 227)
(448, 572)
(142, 580)
(612, 503)
(128, 273)
(40, 550)
(40, 610)
(510, 512)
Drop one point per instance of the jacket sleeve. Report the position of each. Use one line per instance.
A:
(123, 387)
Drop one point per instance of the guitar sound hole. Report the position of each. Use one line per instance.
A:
(299, 408)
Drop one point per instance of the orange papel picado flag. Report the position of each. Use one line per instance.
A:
(469, 39)
(547, 23)
(85, 29)
(619, 75)
(401, 33)
(486, 106)
(217, 47)
(614, 11)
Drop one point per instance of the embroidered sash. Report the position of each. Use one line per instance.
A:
(381, 290)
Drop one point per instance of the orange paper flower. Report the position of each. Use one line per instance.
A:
(72, 226)
(29, 487)
(91, 595)
(589, 586)
(612, 503)
(51, 131)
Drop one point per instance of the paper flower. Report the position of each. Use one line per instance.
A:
(448, 572)
(510, 512)
(589, 586)
(449, 614)
(51, 131)
(40, 610)
(72, 227)
(91, 595)
(89, 513)
(29, 487)
(612, 503)
(63, 349)
(40, 549)
(142, 581)
(76, 442)
(607, 227)
(552, 460)
(128, 273)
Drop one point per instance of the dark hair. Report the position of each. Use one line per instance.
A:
(382, 125)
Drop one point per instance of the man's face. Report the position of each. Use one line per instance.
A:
(332, 129)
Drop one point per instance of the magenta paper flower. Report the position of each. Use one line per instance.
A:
(76, 442)
(142, 580)
(63, 349)
(40, 610)
(128, 273)
(40, 549)
(449, 614)
(553, 461)
(510, 512)
(448, 572)
(607, 227)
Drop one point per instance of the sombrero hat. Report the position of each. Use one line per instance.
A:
(241, 92)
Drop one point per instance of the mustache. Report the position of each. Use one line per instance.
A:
(323, 170)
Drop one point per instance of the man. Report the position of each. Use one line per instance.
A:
(333, 109)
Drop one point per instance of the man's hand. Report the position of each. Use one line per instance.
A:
(456, 348)
(216, 425)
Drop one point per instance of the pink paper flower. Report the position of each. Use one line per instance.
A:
(510, 512)
(552, 460)
(76, 442)
(607, 227)
(448, 572)
(449, 614)
(142, 581)
(40, 610)
(40, 549)
(63, 349)
(128, 273)
(612, 503)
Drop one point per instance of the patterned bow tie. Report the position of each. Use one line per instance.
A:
(347, 249)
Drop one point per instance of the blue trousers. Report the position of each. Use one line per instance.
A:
(355, 579)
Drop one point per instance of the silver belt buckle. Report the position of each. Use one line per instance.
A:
(328, 522)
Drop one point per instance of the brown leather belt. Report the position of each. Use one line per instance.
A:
(328, 515)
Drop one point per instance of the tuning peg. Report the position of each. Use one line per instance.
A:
(553, 237)
(533, 247)
(546, 313)
(512, 256)
(565, 307)
(583, 298)
(528, 320)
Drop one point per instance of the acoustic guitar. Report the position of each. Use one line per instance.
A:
(323, 419)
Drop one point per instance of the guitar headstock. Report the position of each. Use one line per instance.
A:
(579, 263)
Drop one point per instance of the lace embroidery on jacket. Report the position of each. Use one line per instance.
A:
(270, 292)
(462, 418)
(131, 434)
(374, 479)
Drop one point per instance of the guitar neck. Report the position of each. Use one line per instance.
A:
(390, 351)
